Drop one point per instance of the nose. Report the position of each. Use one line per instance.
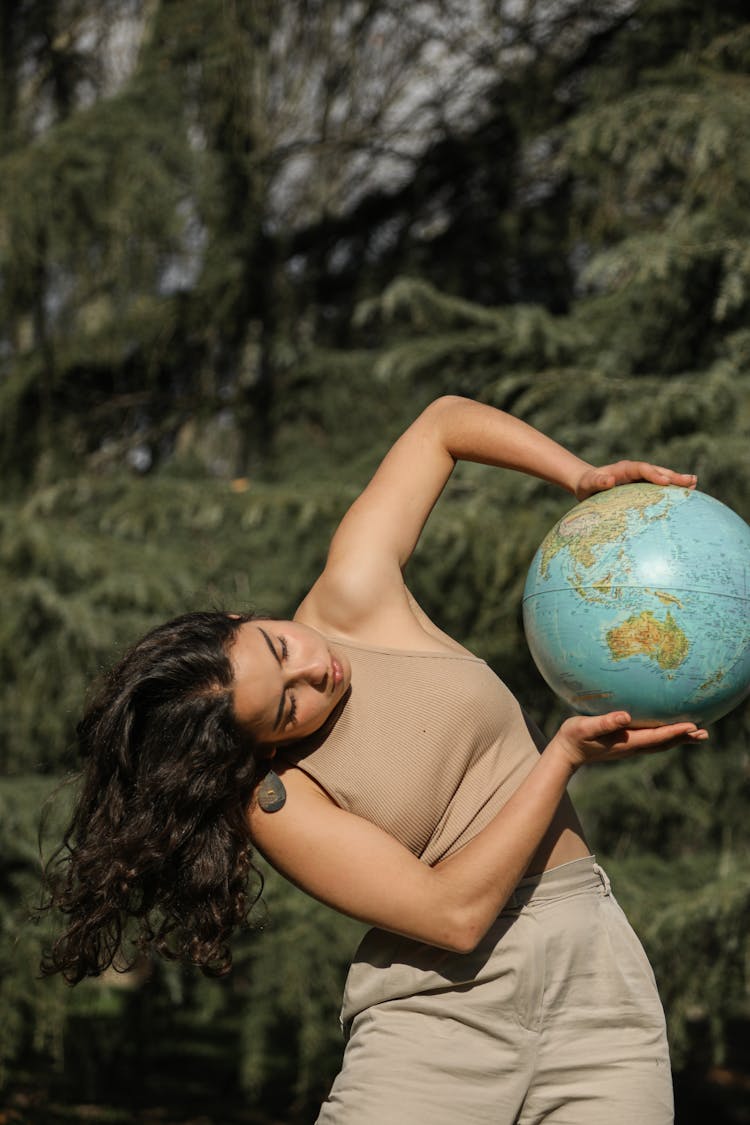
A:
(310, 668)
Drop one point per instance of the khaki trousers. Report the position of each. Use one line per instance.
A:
(554, 1018)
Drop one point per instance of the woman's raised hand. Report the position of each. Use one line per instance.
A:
(610, 737)
(628, 472)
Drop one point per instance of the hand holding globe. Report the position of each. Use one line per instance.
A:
(605, 477)
(610, 737)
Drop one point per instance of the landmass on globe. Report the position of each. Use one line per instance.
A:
(604, 520)
(643, 634)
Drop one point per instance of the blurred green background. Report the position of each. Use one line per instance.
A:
(241, 245)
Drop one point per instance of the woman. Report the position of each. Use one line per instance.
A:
(501, 982)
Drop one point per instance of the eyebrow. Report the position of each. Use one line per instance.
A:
(277, 658)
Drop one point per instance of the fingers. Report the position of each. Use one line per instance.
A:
(613, 721)
(628, 472)
(594, 726)
(654, 740)
(657, 474)
(618, 724)
(639, 738)
(610, 737)
(644, 737)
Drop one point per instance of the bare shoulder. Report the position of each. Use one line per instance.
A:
(302, 792)
(347, 596)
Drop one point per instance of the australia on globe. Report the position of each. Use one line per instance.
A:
(639, 599)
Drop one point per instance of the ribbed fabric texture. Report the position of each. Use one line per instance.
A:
(428, 745)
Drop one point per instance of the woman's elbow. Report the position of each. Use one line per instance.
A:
(460, 943)
(468, 938)
(463, 933)
(445, 404)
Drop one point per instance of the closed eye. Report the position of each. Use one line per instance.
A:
(279, 660)
(291, 718)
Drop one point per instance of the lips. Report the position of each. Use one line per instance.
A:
(337, 672)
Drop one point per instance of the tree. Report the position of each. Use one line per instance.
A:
(179, 226)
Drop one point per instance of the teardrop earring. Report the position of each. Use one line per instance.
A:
(271, 793)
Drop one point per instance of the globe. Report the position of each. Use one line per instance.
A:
(639, 599)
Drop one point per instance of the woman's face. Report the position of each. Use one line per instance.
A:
(287, 679)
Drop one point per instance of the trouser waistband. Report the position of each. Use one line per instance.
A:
(559, 882)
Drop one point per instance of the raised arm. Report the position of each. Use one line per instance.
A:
(379, 532)
(388, 517)
(358, 869)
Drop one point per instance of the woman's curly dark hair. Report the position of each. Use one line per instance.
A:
(159, 835)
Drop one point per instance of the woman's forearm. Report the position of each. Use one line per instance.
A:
(474, 883)
(473, 431)
(383, 525)
(478, 880)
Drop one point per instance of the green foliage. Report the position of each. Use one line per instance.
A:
(661, 174)
(693, 917)
(34, 1014)
(291, 978)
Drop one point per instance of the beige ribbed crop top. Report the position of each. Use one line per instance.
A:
(428, 745)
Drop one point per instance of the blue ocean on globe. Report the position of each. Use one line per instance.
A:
(639, 599)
